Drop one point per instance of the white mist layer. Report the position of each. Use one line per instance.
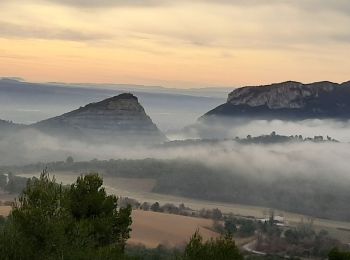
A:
(319, 160)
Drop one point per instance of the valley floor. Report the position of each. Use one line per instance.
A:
(140, 189)
(5, 210)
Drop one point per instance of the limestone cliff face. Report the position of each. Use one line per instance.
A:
(120, 118)
(288, 99)
(283, 95)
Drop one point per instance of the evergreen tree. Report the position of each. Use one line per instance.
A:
(52, 221)
(222, 248)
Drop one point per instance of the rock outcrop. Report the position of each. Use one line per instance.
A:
(119, 119)
(288, 100)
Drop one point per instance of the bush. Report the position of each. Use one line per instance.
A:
(335, 254)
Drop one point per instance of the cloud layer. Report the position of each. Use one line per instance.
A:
(310, 5)
(12, 30)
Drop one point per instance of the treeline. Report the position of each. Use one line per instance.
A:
(272, 138)
(300, 241)
(274, 238)
(275, 138)
(171, 208)
(318, 197)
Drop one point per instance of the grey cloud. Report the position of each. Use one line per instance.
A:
(106, 3)
(276, 39)
(344, 38)
(98, 3)
(9, 30)
(310, 5)
(305, 31)
(342, 6)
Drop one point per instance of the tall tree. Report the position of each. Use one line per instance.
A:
(51, 221)
(222, 248)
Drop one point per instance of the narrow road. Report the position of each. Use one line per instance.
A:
(249, 248)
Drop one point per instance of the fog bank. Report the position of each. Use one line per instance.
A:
(320, 160)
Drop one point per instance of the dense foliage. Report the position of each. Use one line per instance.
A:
(240, 226)
(221, 248)
(335, 254)
(299, 241)
(50, 221)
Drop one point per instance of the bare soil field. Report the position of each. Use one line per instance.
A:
(152, 229)
(5, 210)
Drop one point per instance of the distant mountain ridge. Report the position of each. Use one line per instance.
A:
(287, 100)
(117, 119)
(27, 102)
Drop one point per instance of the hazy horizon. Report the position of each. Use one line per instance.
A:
(111, 85)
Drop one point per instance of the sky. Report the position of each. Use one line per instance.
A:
(175, 43)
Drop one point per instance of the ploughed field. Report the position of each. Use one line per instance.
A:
(5, 210)
(153, 228)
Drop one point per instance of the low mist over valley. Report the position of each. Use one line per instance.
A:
(292, 165)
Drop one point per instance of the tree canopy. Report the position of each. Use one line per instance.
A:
(52, 221)
(222, 248)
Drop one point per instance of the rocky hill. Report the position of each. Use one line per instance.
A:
(117, 119)
(287, 100)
